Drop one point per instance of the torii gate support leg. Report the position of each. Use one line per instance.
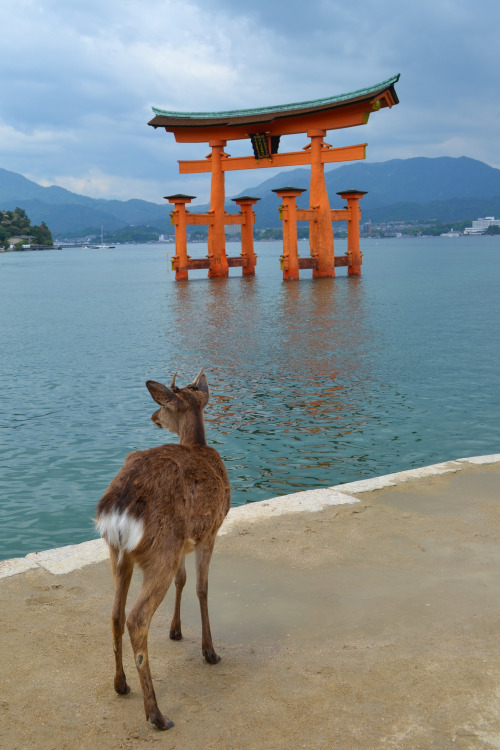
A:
(288, 211)
(247, 248)
(353, 249)
(321, 230)
(180, 260)
(216, 232)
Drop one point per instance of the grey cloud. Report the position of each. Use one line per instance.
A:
(80, 79)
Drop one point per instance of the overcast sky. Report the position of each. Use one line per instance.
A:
(79, 79)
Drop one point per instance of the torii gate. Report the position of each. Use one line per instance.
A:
(264, 127)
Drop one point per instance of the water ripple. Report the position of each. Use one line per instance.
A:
(313, 383)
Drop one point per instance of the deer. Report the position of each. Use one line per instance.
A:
(164, 503)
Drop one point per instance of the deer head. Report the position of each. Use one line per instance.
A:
(182, 408)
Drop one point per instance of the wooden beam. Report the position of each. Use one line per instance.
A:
(196, 263)
(340, 260)
(236, 262)
(204, 219)
(308, 263)
(291, 159)
(234, 219)
(307, 214)
(199, 219)
(355, 114)
(340, 214)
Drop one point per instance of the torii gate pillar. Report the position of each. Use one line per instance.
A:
(216, 231)
(354, 215)
(246, 202)
(179, 220)
(321, 231)
(288, 213)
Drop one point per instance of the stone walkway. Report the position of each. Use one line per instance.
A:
(365, 615)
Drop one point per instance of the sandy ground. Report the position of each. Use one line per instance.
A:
(364, 626)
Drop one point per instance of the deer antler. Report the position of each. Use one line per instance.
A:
(197, 378)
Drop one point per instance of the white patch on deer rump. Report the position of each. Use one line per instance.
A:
(120, 530)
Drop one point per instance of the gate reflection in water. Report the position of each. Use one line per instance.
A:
(287, 368)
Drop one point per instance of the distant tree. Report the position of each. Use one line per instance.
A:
(42, 234)
(268, 233)
(17, 224)
(493, 229)
(198, 235)
(4, 238)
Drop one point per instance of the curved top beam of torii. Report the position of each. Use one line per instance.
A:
(342, 111)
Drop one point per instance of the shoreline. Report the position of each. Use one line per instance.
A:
(62, 560)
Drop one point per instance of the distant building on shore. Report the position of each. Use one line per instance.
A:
(23, 239)
(451, 233)
(479, 226)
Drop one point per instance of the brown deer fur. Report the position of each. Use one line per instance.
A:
(163, 503)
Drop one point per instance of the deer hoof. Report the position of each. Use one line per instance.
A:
(121, 687)
(211, 657)
(160, 722)
(176, 635)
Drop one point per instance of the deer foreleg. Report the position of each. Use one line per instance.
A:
(203, 557)
(122, 574)
(180, 581)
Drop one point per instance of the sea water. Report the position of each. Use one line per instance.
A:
(313, 383)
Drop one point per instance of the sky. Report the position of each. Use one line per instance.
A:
(79, 79)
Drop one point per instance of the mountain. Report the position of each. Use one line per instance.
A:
(64, 211)
(419, 180)
(444, 188)
(420, 188)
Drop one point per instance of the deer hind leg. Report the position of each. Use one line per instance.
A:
(203, 556)
(122, 574)
(180, 581)
(155, 586)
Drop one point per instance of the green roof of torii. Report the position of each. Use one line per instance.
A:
(166, 117)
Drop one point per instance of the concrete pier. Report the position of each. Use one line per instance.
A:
(359, 616)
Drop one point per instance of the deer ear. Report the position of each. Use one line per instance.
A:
(201, 383)
(161, 394)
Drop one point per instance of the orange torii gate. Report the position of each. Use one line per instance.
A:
(264, 127)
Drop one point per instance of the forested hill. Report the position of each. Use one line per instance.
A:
(17, 224)
(444, 188)
(65, 211)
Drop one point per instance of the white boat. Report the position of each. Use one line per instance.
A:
(102, 246)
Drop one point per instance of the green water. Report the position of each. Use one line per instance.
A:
(313, 383)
